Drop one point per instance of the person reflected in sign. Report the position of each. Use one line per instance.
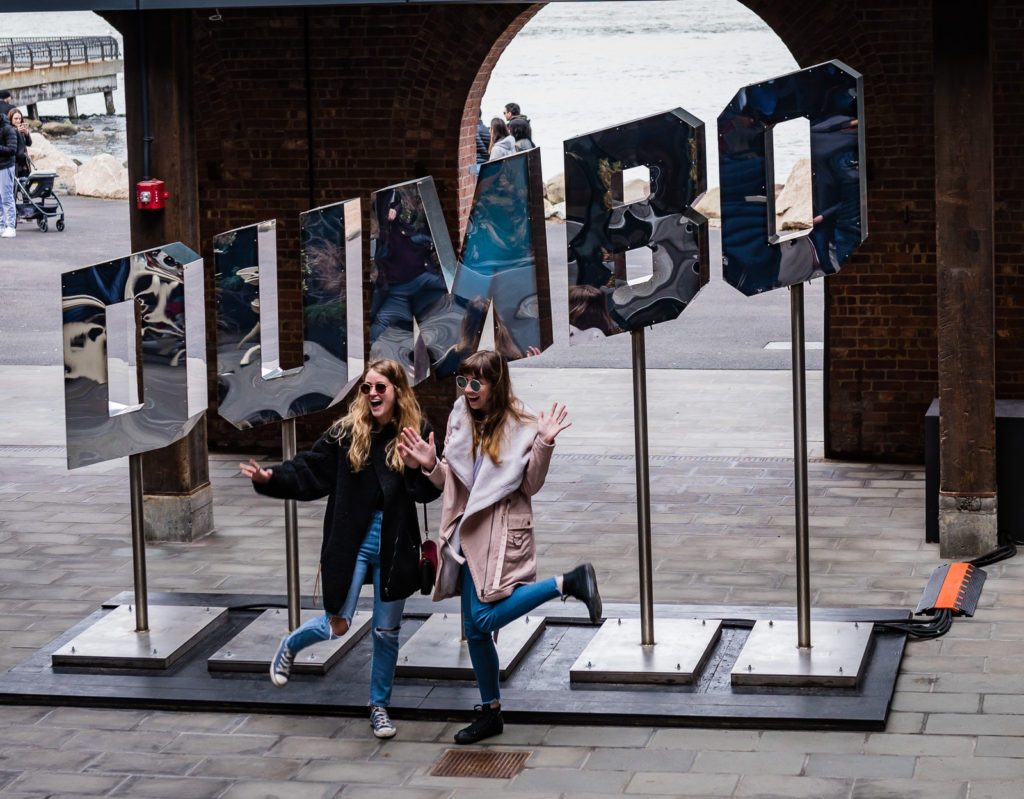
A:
(589, 319)
(409, 278)
(371, 532)
(496, 456)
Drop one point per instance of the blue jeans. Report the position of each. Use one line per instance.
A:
(7, 209)
(387, 619)
(400, 303)
(481, 619)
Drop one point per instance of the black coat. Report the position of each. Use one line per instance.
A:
(483, 142)
(22, 164)
(8, 144)
(352, 499)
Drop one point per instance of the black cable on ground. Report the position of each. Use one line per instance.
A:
(941, 621)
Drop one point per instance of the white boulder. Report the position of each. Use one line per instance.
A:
(793, 209)
(554, 189)
(635, 189)
(47, 158)
(709, 204)
(103, 176)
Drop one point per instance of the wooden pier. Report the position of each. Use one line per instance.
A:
(39, 69)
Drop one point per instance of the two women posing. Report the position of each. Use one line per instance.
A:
(496, 456)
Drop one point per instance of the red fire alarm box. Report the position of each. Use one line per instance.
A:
(150, 194)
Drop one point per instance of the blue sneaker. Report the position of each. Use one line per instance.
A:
(281, 665)
(381, 722)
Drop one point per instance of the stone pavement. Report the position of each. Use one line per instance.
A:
(722, 503)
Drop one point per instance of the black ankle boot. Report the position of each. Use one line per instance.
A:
(581, 584)
(487, 723)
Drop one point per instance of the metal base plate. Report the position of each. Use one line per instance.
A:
(255, 646)
(113, 641)
(615, 654)
(436, 650)
(770, 655)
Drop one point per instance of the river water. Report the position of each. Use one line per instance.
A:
(574, 68)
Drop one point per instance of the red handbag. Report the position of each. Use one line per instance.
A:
(428, 566)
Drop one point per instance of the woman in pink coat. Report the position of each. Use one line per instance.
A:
(496, 457)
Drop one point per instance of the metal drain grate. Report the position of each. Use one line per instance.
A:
(480, 763)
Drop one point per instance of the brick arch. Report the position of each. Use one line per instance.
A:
(471, 107)
(424, 63)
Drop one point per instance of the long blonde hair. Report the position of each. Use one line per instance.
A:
(503, 406)
(358, 423)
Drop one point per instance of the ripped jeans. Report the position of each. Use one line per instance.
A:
(387, 620)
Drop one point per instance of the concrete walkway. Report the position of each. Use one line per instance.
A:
(721, 477)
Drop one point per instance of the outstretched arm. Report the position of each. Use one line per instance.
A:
(255, 472)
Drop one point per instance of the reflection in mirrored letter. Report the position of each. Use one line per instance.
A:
(253, 388)
(168, 351)
(503, 270)
(754, 258)
(413, 264)
(599, 224)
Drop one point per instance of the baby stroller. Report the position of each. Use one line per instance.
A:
(34, 199)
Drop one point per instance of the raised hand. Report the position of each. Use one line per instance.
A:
(415, 452)
(554, 423)
(255, 472)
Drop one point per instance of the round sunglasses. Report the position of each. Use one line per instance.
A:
(382, 388)
(473, 383)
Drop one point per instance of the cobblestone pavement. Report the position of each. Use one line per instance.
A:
(722, 507)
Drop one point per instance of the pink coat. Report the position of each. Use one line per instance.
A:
(496, 535)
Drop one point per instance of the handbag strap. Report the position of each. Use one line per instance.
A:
(316, 588)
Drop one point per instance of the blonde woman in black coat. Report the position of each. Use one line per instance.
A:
(370, 527)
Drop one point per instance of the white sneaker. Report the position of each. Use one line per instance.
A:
(9, 233)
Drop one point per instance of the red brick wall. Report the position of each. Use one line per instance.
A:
(1007, 25)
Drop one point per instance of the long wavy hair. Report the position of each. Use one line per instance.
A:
(503, 407)
(358, 423)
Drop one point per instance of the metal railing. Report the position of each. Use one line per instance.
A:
(35, 53)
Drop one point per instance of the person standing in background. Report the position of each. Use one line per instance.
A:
(5, 102)
(520, 130)
(502, 142)
(8, 156)
(22, 164)
(483, 142)
(512, 111)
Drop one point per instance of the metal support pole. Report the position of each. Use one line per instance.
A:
(643, 487)
(291, 531)
(138, 543)
(803, 575)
